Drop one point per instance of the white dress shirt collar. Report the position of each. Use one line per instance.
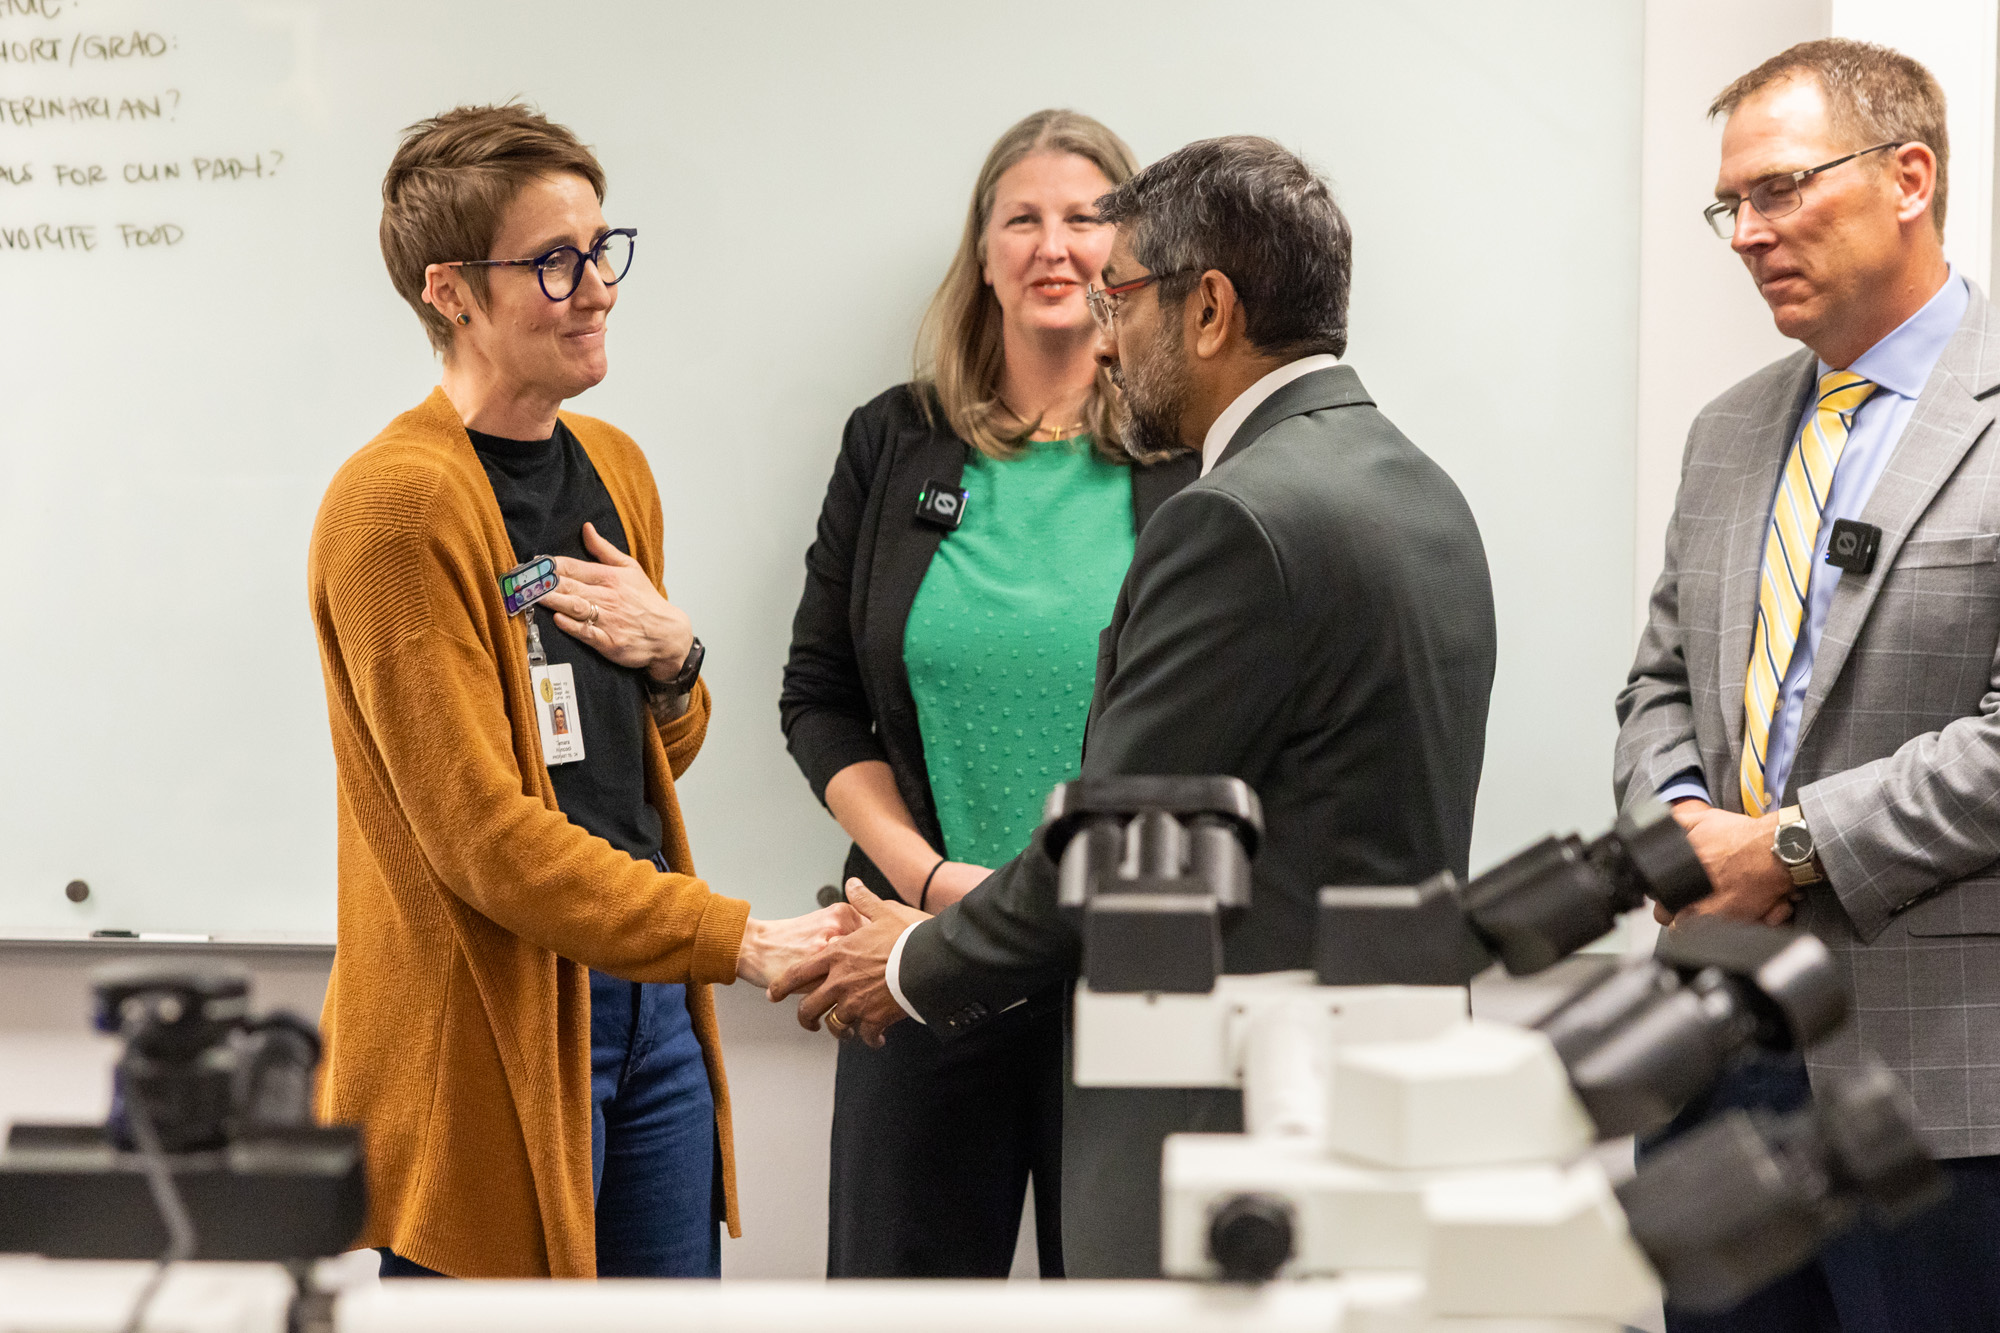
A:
(1238, 412)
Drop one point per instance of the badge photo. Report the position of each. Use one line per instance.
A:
(557, 715)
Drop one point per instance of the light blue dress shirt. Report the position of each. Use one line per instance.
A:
(1900, 364)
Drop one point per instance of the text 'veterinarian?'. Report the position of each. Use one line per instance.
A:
(96, 155)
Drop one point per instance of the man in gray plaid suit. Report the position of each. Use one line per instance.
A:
(1818, 687)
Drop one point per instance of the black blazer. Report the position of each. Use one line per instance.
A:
(1315, 617)
(846, 694)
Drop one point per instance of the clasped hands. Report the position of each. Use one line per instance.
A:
(1750, 883)
(844, 974)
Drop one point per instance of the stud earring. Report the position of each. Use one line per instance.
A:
(464, 318)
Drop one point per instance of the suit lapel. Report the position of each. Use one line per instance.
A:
(1107, 657)
(1760, 453)
(923, 456)
(1951, 414)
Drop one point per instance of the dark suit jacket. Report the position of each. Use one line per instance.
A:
(1313, 617)
(846, 694)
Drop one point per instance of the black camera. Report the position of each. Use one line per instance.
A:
(941, 506)
(1851, 545)
(211, 1151)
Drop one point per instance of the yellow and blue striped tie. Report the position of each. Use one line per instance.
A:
(1787, 570)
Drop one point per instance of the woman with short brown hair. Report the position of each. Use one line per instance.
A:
(519, 1014)
(970, 548)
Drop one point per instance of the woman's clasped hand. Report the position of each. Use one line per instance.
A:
(770, 949)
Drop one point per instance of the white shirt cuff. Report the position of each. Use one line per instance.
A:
(894, 970)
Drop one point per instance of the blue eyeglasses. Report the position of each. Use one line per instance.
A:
(560, 271)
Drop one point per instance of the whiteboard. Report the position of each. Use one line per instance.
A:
(197, 330)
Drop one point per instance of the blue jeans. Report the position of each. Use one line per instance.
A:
(654, 1159)
(653, 1151)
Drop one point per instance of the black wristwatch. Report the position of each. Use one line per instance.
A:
(683, 682)
(1793, 845)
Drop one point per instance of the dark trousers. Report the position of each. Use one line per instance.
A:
(1113, 1142)
(1938, 1272)
(934, 1146)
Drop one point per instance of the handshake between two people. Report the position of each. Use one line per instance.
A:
(838, 956)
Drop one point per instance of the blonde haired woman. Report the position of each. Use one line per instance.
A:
(940, 675)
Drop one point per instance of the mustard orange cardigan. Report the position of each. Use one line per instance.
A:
(457, 1021)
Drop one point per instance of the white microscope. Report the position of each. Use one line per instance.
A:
(1407, 1168)
(1440, 1165)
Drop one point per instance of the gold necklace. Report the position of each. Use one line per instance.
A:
(1053, 433)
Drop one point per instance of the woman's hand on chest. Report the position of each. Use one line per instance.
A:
(610, 604)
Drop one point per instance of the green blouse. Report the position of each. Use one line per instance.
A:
(1001, 644)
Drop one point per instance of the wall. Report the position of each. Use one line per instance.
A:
(1957, 41)
(1702, 326)
(798, 174)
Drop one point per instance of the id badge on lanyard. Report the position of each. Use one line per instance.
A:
(558, 712)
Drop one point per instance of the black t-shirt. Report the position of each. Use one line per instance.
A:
(547, 491)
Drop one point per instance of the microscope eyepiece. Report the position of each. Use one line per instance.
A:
(1152, 867)
(1747, 1197)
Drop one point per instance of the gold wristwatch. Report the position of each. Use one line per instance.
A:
(1793, 845)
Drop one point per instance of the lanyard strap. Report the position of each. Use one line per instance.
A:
(536, 657)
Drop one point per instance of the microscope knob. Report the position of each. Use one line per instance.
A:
(1250, 1237)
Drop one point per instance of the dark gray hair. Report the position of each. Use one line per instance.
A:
(1258, 213)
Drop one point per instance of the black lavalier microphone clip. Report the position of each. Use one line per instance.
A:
(1852, 545)
(941, 506)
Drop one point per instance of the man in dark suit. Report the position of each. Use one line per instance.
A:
(1313, 616)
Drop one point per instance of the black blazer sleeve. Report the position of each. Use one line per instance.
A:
(1204, 668)
(824, 706)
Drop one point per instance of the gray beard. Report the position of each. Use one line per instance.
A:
(1152, 404)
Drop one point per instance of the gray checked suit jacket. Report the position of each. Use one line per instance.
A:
(1898, 767)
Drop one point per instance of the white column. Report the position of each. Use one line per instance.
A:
(1959, 41)
(1702, 326)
